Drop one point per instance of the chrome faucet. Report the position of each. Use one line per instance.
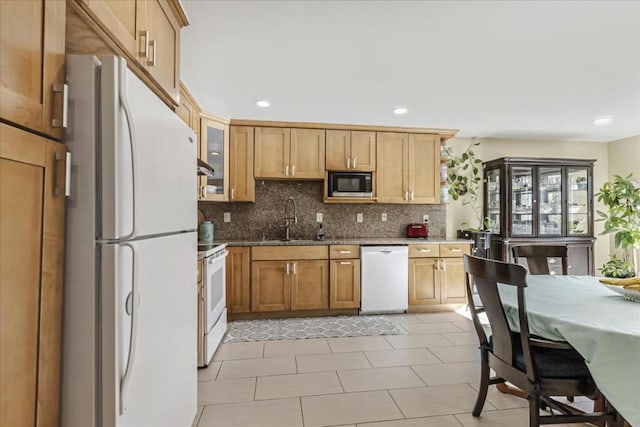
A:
(288, 218)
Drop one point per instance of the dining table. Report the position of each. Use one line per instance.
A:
(600, 324)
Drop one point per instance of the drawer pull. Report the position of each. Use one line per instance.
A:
(456, 250)
(345, 252)
(425, 250)
(345, 262)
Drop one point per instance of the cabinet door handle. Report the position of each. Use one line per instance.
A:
(295, 268)
(437, 267)
(154, 46)
(354, 162)
(57, 190)
(444, 265)
(345, 252)
(411, 195)
(286, 170)
(406, 196)
(293, 170)
(286, 269)
(144, 44)
(233, 193)
(345, 262)
(348, 163)
(62, 88)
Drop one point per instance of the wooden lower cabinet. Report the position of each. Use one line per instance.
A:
(279, 282)
(238, 267)
(309, 285)
(424, 281)
(32, 206)
(453, 285)
(436, 274)
(270, 286)
(345, 283)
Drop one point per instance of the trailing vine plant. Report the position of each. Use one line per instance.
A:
(464, 179)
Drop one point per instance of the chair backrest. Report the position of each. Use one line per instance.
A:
(537, 257)
(486, 274)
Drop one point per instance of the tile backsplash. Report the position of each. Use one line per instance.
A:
(265, 217)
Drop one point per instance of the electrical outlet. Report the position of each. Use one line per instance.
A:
(319, 217)
(425, 218)
(227, 217)
(359, 217)
(384, 217)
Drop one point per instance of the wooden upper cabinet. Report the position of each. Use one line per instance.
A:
(163, 55)
(350, 151)
(272, 152)
(307, 154)
(124, 20)
(32, 64)
(424, 168)
(189, 110)
(338, 150)
(145, 32)
(241, 182)
(408, 168)
(363, 151)
(214, 150)
(392, 170)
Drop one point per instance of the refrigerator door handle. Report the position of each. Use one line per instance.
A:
(129, 118)
(133, 337)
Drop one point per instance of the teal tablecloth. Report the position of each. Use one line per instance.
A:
(602, 325)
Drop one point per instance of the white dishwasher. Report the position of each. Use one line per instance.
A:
(385, 279)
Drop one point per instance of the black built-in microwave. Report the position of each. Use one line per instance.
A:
(350, 184)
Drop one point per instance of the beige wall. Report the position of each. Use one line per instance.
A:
(624, 158)
(490, 149)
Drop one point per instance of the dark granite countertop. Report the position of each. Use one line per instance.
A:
(342, 241)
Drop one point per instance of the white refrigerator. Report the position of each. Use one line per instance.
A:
(130, 313)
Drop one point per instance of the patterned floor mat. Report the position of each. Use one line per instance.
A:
(308, 327)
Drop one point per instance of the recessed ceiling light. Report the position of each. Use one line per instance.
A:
(603, 121)
(264, 103)
(400, 110)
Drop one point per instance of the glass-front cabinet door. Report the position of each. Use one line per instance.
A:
(492, 204)
(550, 201)
(214, 150)
(522, 201)
(578, 202)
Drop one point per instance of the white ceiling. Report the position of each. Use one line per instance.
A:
(513, 69)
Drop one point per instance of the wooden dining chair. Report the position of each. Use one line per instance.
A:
(539, 256)
(540, 367)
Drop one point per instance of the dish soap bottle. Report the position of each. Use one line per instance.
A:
(320, 234)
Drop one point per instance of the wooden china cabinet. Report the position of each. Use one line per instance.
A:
(539, 201)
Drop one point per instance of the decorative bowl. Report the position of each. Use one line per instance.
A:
(628, 292)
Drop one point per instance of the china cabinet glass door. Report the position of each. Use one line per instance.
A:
(493, 200)
(550, 201)
(578, 203)
(522, 201)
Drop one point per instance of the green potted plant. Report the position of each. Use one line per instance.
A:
(464, 180)
(622, 197)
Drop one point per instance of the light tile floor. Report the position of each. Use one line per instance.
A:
(426, 377)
